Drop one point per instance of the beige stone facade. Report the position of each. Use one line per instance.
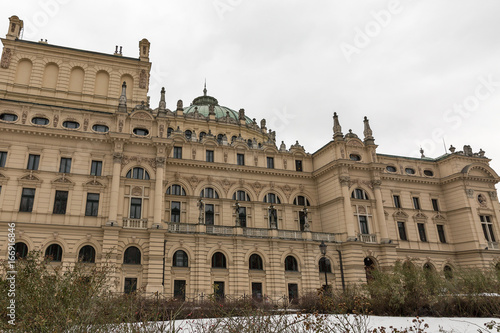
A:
(202, 195)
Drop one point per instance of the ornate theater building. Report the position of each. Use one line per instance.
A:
(199, 197)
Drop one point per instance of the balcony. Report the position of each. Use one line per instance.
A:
(129, 223)
(368, 238)
(255, 232)
(219, 230)
(181, 227)
(319, 236)
(289, 234)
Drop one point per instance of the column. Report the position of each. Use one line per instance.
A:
(384, 235)
(349, 220)
(158, 201)
(115, 188)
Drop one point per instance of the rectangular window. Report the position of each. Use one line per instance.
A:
(243, 216)
(440, 229)
(298, 165)
(416, 203)
(402, 231)
(178, 152)
(435, 205)
(397, 201)
(293, 292)
(240, 159)
(92, 207)
(96, 168)
(60, 202)
(302, 220)
(421, 232)
(209, 214)
(257, 291)
(210, 155)
(175, 211)
(487, 226)
(27, 199)
(135, 208)
(180, 290)
(219, 290)
(33, 161)
(130, 285)
(363, 224)
(270, 162)
(3, 158)
(65, 165)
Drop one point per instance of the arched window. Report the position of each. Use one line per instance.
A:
(21, 250)
(209, 192)
(219, 260)
(176, 190)
(291, 264)
(233, 138)
(180, 259)
(250, 143)
(428, 267)
(188, 134)
(369, 267)
(359, 194)
(324, 265)
(87, 254)
(255, 262)
(54, 252)
(301, 201)
(132, 256)
(202, 135)
(241, 196)
(448, 272)
(220, 137)
(272, 198)
(169, 131)
(138, 173)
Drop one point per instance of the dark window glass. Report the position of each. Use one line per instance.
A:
(421, 232)
(21, 250)
(298, 165)
(324, 265)
(363, 224)
(257, 291)
(242, 214)
(435, 205)
(132, 256)
(33, 161)
(180, 259)
(54, 252)
(402, 231)
(301, 201)
(65, 165)
(355, 157)
(369, 268)
(178, 152)
(440, 229)
(87, 254)
(302, 220)
(3, 158)
(416, 203)
(250, 143)
(428, 173)
(175, 211)
(141, 131)
(219, 290)
(220, 137)
(39, 121)
(100, 128)
(188, 134)
(209, 214)
(27, 199)
(291, 264)
(240, 159)
(202, 135)
(71, 124)
(96, 168)
(210, 155)
(92, 206)
(209, 193)
(255, 262)
(397, 201)
(293, 292)
(410, 171)
(218, 260)
(135, 208)
(390, 168)
(138, 173)
(448, 272)
(270, 162)
(272, 198)
(8, 117)
(176, 190)
(60, 202)
(359, 194)
(130, 285)
(180, 290)
(487, 226)
(241, 196)
(169, 131)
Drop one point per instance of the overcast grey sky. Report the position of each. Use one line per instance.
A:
(420, 70)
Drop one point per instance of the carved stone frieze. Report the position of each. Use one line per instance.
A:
(150, 161)
(56, 120)
(287, 189)
(257, 187)
(120, 125)
(136, 191)
(85, 124)
(160, 161)
(345, 180)
(117, 157)
(470, 193)
(226, 184)
(493, 194)
(6, 56)
(193, 181)
(24, 116)
(143, 79)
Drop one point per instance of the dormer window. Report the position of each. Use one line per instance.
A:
(355, 157)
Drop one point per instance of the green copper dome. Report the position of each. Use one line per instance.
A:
(202, 105)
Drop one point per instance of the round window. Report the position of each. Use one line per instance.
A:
(100, 128)
(8, 117)
(355, 157)
(428, 173)
(410, 171)
(390, 168)
(39, 121)
(71, 124)
(141, 131)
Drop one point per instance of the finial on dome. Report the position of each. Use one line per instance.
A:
(205, 88)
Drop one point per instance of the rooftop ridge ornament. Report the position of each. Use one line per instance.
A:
(369, 139)
(337, 129)
(205, 88)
